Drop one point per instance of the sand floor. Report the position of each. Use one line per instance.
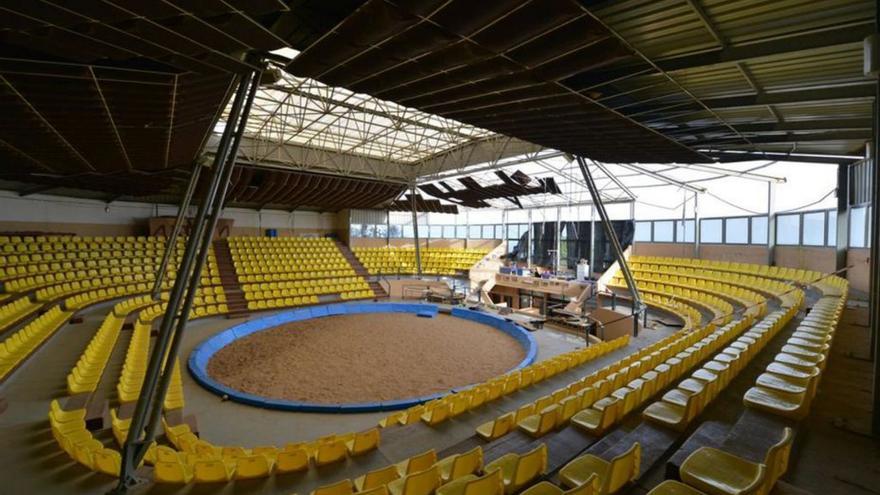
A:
(364, 358)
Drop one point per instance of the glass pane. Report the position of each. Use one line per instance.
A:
(513, 231)
(759, 230)
(710, 230)
(663, 231)
(436, 231)
(857, 217)
(684, 230)
(832, 228)
(737, 231)
(355, 230)
(788, 229)
(461, 232)
(499, 232)
(643, 232)
(408, 231)
(511, 246)
(474, 233)
(449, 231)
(396, 231)
(488, 231)
(381, 231)
(814, 229)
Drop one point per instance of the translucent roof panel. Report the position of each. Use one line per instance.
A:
(304, 112)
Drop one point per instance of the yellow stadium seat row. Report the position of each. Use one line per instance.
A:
(84, 377)
(295, 275)
(437, 411)
(281, 302)
(744, 297)
(69, 431)
(679, 406)
(18, 346)
(777, 272)
(329, 286)
(722, 310)
(789, 383)
(196, 460)
(16, 310)
(441, 261)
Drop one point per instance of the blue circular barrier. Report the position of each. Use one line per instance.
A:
(198, 359)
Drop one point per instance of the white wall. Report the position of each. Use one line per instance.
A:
(91, 217)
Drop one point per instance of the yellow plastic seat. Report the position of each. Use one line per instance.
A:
(518, 470)
(376, 478)
(363, 442)
(417, 463)
(596, 421)
(672, 487)
(498, 428)
(172, 472)
(253, 466)
(613, 475)
(212, 471)
(795, 405)
(459, 465)
(292, 460)
(420, 483)
(488, 484)
(330, 452)
(107, 461)
(540, 424)
(343, 487)
(717, 472)
(437, 414)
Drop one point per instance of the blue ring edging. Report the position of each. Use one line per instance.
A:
(198, 359)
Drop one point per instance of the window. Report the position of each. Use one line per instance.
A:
(395, 232)
(663, 231)
(356, 230)
(474, 232)
(788, 229)
(488, 231)
(832, 228)
(511, 245)
(449, 231)
(736, 231)
(684, 230)
(461, 232)
(513, 231)
(643, 232)
(759, 230)
(499, 232)
(381, 231)
(857, 226)
(436, 231)
(814, 229)
(408, 231)
(710, 230)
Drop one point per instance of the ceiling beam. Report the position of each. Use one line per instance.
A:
(661, 177)
(806, 125)
(747, 156)
(792, 138)
(839, 35)
(817, 95)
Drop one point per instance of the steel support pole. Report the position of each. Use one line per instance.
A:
(207, 236)
(842, 218)
(558, 238)
(415, 217)
(697, 229)
(771, 224)
(592, 240)
(529, 233)
(137, 442)
(874, 294)
(171, 242)
(637, 306)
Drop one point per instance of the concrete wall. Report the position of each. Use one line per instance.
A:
(43, 213)
(808, 258)
(858, 275)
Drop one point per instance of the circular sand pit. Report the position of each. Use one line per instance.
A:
(349, 358)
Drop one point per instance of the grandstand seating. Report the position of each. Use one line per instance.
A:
(740, 327)
(435, 261)
(293, 271)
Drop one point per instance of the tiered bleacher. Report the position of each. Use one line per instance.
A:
(435, 261)
(676, 378)
(293, 271)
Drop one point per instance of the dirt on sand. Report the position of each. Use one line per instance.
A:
(365, 358)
